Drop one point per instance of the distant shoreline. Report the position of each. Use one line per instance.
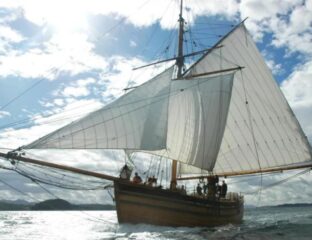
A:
(281, 205)
(62, 205)
(52, 205)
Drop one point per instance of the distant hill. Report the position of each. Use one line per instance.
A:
(60, 204)
(50, 205)
(295, 205)
(288, 205)
(5, 206)
(18, 202)
(94, 207)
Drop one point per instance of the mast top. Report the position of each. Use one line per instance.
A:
(180, 58)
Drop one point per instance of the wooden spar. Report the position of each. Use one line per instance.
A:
(129, 88)
(58, 166)
(175, 58)
(250, 172)
(212, 72)
(218, 43)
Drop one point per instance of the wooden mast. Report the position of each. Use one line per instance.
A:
(180, 58)
(180, 64)
(173, 183)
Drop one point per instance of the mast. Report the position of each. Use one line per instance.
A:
(179, 63)
(180, 58)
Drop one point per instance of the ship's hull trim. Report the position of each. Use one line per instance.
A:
(136, 203)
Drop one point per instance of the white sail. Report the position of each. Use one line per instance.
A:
(137, 120)
(261, 130)
(197, 117)
(179, 119)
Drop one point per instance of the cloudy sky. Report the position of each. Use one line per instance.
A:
(60, 60)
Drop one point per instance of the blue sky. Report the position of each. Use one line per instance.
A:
(79, 54)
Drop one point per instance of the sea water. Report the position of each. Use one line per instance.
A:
(259, 223)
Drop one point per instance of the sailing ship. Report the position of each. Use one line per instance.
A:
(224, 116)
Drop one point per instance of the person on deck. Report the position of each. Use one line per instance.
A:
(212, 186)
(199, 190)
(183, 190)
(218, 190)
(137, 179)
(152, 181)
(223, 189)
(205, 188)
(125, 172)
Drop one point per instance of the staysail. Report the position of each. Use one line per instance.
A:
(137, 120)
(261, 130)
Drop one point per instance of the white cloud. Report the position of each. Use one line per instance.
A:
(133, 43)
(140, 12)
(258, 194)
(289, 21)
(7, 33)
(122, 76)
(276, 68)
(9, 16)
(77, 88)
(7, 37)
(70, 53)
(75, 91)
(4, 114)
(58, 102)
(85, 82)
(260, 10)
(298, 91)
(43, 124)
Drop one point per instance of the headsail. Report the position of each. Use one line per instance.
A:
(261, 130)
(137, 120)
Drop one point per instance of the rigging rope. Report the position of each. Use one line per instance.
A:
(50, 193)
(26, 90)
(33, 173)
(278, 183)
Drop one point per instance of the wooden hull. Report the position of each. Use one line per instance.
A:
(136, 203)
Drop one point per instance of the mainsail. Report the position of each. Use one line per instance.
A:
(227, 123)
(261, 130)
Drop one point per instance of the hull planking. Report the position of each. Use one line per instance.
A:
(137, 203)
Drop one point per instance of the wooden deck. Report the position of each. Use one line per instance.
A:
(137, 203)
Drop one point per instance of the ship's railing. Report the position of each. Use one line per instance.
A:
(234, 197)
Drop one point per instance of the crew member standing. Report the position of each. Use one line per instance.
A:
(223, 189)
(137, 178)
